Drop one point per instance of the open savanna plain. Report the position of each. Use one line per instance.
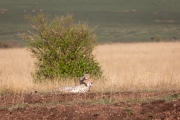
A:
(140, 81)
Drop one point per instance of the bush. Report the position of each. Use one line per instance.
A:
(157, 38)
(4, 45)
(62, 48)
(9, 44)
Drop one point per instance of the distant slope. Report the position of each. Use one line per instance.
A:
(117, 20)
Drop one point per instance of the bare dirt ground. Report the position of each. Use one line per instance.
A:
(164, 105)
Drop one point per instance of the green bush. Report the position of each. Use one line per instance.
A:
(157, 38)
(62, 48)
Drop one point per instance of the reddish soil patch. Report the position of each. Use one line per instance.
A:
(89, 107)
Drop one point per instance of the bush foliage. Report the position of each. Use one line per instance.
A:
(62, 48)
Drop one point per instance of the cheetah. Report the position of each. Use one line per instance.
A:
(85, 83)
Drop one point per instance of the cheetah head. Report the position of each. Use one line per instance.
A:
(86, 80)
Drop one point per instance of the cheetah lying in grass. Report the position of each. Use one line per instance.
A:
(85, 83)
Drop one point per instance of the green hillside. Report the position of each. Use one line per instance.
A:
(117, 20)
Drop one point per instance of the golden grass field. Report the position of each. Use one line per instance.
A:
(127, 67)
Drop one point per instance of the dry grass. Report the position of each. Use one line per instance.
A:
(127, 67)
(16, 67)
(140, 66)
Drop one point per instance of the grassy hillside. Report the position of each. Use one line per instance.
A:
(117, 20)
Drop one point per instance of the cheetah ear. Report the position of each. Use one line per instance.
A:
(82, 80)
(86, 76)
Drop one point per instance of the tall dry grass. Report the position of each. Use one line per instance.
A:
(16, 68)
(140, 66)
(127, 67)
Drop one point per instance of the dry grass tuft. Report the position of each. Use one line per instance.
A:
(127, 67)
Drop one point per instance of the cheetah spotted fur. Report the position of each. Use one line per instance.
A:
(85, 83)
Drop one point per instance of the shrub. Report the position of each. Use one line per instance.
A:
(4, 45)
(157, 38)
(62, 48)
(10, 44)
